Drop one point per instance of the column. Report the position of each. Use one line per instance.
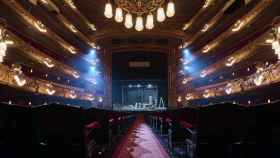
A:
(107, 63)
(172, 74)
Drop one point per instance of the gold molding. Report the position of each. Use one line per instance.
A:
(39, 85)
(246, 20)
(31, 20)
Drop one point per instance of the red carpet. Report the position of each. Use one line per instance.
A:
(140, 142)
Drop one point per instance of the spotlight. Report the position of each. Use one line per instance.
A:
(186, 52)
(187, 55)
(91, 55)
(93, 51)
(93, 68)
(187, 68)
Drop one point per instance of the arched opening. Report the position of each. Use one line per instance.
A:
(139, 80)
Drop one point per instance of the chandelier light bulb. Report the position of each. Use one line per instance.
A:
(139, 26)
(128, 21)
(170, 12)
(150, 21)
(124, 11)
(160, 14)
(119, 15)
(108, 10)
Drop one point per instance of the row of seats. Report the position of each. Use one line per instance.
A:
(222, 130)
(58, 131)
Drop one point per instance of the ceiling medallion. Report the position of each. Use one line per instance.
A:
(127, 10)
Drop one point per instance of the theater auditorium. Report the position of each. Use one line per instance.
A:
(139, 78)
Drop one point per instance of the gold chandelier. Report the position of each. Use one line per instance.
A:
(125, 9)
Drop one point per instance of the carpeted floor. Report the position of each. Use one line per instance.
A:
(140, 142)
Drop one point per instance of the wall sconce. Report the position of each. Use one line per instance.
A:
(48, 62)
(206, 49)
(229, 89)
(189, 97)
(230, 61)
(91, 97)
(71, 4)
(94, 45)
(72, 94)
(92, 27)
(17, 75)
(72, 50)
(203, 74)
(259, 78)
(20, 82)
(40, 26)
(238, 25)
(207, 4)
(185, 81)
(205, 28)
(206, 94)
(76, 74)
(50, 89)
(186, 26)
(73, 28)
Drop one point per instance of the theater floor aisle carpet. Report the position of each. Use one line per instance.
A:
(140, 142)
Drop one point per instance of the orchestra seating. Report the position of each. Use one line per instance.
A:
(53, 130)
(16, 136)
(224, 130)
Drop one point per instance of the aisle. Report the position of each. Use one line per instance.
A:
(140, 142)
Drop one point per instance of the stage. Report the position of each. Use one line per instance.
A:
(139, 95)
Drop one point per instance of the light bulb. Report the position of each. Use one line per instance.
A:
(160, 14)
(170, 12)
(119, 15)
(150, 21)
(128, 21)
(139, 26)
(108, 10)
